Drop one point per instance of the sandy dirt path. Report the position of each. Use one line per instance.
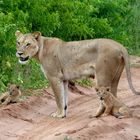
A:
(30, 120)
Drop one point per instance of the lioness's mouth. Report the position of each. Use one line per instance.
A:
(24, 59)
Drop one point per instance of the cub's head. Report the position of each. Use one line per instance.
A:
(103, 92)
(13, 90)
(27, 45)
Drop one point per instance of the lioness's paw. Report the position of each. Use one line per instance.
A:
(58, 115)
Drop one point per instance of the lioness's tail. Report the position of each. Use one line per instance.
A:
(127, 68)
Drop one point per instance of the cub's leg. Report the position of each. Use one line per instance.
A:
(7, 101)
(14, 101)
(124, 112)
(3, 98)
(100, 110)
(107, 111)
(59, 92)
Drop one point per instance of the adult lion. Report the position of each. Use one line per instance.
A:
(62, 61)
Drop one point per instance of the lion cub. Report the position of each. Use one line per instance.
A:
(12, 96)
(109, 104)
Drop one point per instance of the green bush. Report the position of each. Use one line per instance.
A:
(66, 19)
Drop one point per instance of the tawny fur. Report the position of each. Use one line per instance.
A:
(62, 61)
(109, 104)
(12, 96)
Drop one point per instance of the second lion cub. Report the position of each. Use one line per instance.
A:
(11, 96)
(109, 104)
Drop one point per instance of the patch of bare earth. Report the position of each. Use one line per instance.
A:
(30, 120)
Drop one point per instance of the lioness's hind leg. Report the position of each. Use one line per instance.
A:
(116, 79)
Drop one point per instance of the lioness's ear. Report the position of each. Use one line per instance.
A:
(108, 89)
(36, 35)
(18, 33)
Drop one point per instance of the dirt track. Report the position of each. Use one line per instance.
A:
(30, 120)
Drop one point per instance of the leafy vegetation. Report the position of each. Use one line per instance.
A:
(69, 20)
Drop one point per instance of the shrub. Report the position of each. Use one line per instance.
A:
(69, 20)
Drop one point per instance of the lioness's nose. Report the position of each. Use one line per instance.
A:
(20, 53)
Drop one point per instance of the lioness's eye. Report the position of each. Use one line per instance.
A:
(18, 43)
(28, 44)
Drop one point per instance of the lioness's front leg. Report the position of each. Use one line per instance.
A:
(66, 96)
(59, 92)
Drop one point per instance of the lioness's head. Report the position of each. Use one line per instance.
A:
(103, 92)
(13, 90)
(27, 45)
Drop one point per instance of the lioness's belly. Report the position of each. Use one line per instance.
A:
(75, 72)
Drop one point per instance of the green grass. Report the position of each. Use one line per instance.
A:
(118, 20)
(136, 65)
(67, 138)
(27, 76)
(85, 82)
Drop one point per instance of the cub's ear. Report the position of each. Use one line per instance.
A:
(18, 33)
(36, 35)
(97, 89)
(8, 85)
(108, 89)
(18, 86)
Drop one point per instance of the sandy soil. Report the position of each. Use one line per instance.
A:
(30, 120)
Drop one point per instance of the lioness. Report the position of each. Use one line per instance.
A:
(109, 104)
(12, 96)
(63, 61)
